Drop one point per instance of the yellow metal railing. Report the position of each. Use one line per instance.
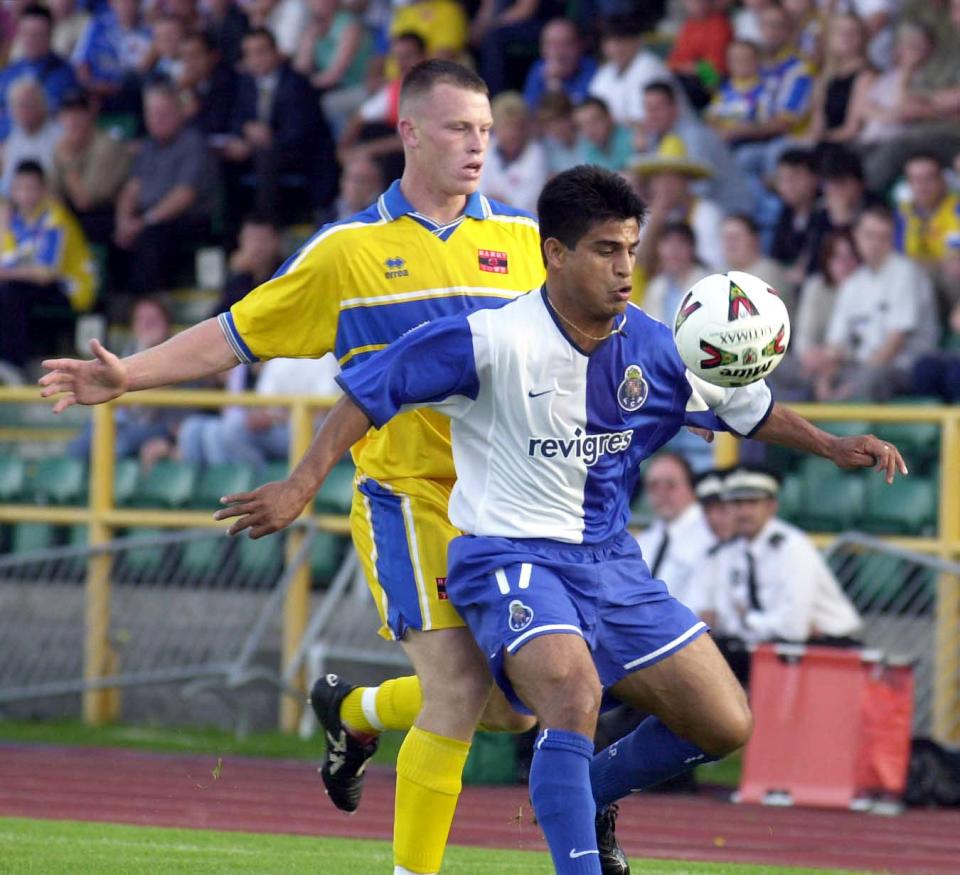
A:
(103, 517)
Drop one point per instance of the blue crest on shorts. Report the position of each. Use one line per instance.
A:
(520, 616)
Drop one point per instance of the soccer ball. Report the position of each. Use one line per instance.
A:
(731, 329)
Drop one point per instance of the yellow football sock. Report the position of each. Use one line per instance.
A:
(395, 704)
(429, 772)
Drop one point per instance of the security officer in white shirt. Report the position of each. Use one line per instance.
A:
(675, 544)
(771, 583)
(717, 512)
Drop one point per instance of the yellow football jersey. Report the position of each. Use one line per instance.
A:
(359, 284)
(927, 237)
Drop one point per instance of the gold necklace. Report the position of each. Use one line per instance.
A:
(580, 331)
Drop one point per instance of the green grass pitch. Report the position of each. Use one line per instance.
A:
(54, 847)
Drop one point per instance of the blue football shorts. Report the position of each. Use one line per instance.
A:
(511, 591)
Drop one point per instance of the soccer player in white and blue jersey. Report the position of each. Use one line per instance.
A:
(555, 398)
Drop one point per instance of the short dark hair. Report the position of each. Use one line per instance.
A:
(256, 218)
(841, 163)
(625, 24)
(411, 36)
(661, 86)
(879, 211)
(598, 102)
(684, 465)
(577, 199)
(679, 229)
(747, 221)
(75, 99)
(798, 158)
(553, 105)
(204, 37)
(261, 31)
(36, 10)
(29, 167)
(428, 74)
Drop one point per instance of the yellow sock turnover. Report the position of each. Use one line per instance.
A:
(395, 704)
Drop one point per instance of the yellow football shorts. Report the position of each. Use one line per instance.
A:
(401, 533)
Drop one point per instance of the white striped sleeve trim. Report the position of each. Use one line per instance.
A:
(667, 647)
(540, 630)
(224, 324)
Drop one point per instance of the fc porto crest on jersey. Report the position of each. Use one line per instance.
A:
(633, 389)
(520, 616)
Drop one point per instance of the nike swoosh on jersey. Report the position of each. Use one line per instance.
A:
(575, 854)
(532, 394)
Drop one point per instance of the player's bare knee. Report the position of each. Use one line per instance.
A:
(728, 732)
(572, 703)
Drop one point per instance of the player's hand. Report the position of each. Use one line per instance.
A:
(704, 433)
(85, 382)
(266, 510)
(867, 451)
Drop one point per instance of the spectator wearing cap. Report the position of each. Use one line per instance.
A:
(675, 544)
(678, 271)
(89, 167)
(603, 142)
(770, 583)
(667, 176)
(559, 129)
(516, 167)
(33, 134)
(665, 116)
(563, 64)
(709, 488)
(627, 68)
(37, 61)
(885, 316)
(930, 216)
(44, 260)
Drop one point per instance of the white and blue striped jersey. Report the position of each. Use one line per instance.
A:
(547, 439)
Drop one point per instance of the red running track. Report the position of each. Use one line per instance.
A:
(280, 796)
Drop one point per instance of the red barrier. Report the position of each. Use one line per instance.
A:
(831, 725)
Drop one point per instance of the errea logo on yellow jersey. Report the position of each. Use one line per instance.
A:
(395, 268)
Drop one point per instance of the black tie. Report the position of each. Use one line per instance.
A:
(752, 584)
(661, 553)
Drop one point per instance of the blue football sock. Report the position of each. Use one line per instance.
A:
(561, 797)
(648, 755)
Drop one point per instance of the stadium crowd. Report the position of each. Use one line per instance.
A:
(816, 144)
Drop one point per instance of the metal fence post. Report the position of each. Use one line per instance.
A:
(296, 607)
(946, 708)
(100, 705)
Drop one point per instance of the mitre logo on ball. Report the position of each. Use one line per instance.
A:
(732, 329)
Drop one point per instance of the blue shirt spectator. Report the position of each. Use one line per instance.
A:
(562, 65)
(37, 61)
(111, 47)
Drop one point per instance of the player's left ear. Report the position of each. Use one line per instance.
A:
(554, 252)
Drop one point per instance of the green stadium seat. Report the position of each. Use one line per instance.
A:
(845, 427)
(143, 562)
(326, 552)
(12, 476)
(27, 537)
(169, 483)
(829, 500)
(200, 558)
(791, 497)
(219, 480)
(272, 471)
(126, 472)
(918, 442)
(907, 507)
(61, 480)
(336, 494)
(261, 558)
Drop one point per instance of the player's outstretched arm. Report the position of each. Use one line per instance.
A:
(198, 352)
(274, 506)
(789, 429)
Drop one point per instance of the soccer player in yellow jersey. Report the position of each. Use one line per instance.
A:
(430, 246)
